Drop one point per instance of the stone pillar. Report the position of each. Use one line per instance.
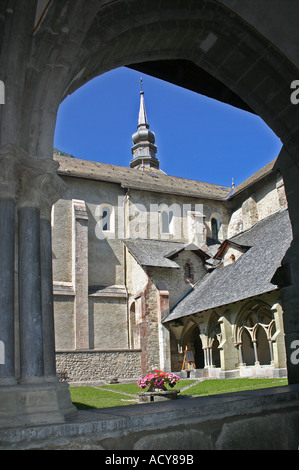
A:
(256, 359)
(31, 335)
(47, 306)
(241, 362)
(277, 340)
(206, 357)
(7, 257)
(32, 398)
(287, 276)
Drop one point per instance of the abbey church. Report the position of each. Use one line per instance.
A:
(147, 266)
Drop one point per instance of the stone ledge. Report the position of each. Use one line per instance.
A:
(123, 427)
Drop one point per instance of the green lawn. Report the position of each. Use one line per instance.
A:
(85, 398)
(214, 387)
(127, 394)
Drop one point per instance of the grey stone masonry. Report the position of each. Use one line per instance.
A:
(88, 366)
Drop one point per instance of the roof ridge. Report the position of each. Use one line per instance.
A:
(131, 170)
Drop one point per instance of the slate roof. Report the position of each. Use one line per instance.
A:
(153, 252)
(147, 180)
(249, 276)
(154, 179)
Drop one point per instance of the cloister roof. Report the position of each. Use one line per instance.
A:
(249, 276)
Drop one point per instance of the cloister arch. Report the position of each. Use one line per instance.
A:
(254, 334)
(191, 339)
(43, 59)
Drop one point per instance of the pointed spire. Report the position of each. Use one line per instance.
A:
(144, 149)
(142, 118)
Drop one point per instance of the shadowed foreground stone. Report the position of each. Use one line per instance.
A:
(266, 419)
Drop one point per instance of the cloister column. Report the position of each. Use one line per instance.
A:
(35, 396)
(31, 336)
(7, 257)
(256, 359)
(54, 189)
(33, 191)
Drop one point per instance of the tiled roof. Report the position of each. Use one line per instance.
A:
(249, 276)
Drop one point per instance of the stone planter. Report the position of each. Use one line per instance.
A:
(157, 395)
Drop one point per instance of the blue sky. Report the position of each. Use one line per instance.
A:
(197, 137)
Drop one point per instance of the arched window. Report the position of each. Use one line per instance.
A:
(166, 221)
(106, 216)
(214, 228)
(188, 272)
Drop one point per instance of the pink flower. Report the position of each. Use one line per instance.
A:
(157, 378)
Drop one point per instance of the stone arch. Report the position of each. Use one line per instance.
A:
(254, 333)
(263, 352)
(208, 34)
(191, 338)
(247, 348)
(76, 42)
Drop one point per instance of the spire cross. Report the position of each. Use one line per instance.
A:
(141, 84)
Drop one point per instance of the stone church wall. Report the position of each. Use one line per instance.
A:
(108, 322)
(256, 203)
(98, 365)
(144, 211)
(106, 305)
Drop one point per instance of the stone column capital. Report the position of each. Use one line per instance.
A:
(32, 182)
(40, 186)
(10, 158)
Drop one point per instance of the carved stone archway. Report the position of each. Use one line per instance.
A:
(51, 48)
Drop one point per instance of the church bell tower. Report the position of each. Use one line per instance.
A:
(144, 149)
